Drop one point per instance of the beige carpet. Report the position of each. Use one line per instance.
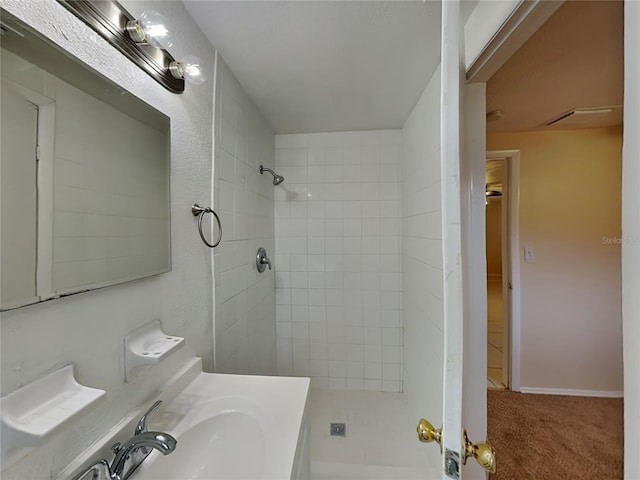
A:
(549, 437)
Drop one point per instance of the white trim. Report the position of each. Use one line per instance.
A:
(474, 263)
(212, 200)
(512, 270)
(517, 21)
(573, 392)
(451, 229)
(631, 248)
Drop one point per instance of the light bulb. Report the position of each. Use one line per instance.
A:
(191, 69)
(151, 28)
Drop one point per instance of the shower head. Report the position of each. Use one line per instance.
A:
(277, 179)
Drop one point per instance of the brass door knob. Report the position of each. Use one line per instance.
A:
(428, 433)
(484, 454)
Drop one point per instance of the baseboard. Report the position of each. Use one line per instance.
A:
(573, 392)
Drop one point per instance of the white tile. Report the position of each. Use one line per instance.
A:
(372, 353)
(318, 332)
(391, 372)
(291, 141)
(352, 191)
(299, 263)
(317, 297)
(337, 369)
(300, 331)
(315, 173)
(391, 336)
(336, 351)
(373, 385)
(318, 350)
(317, 313)
(335, 333)
(316, 263)
(298, 279)
(372, 336)
(391, 386)
(373, 370)
(299, 313)
(316, 156)
(334, 173)
(315, 279)
(353, 335)
(299, 296)
(355, 370)
(283, 330)
(391, 354)
(334, 280)
(337, 383)
(316, 245)
(355, 384)
(318, 368)
(321, 383)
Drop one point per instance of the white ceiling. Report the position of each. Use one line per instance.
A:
(574, 60)
(315, 66)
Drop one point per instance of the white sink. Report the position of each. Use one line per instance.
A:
(234, 445)
(232, 427)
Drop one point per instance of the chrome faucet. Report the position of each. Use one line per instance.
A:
(130, 454)
(140, 443)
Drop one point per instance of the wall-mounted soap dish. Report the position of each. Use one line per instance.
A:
(147, 346)
(35, 411)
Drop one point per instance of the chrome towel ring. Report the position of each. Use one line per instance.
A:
(199, 212)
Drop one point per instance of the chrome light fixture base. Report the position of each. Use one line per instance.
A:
(116, 25)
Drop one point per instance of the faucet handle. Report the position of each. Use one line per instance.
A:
(142, 423)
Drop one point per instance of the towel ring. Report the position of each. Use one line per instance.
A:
(199, 212)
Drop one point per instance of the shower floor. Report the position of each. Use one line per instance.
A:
(380, 442)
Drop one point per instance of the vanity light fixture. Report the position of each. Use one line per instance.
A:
(144, 40)
(191, 69)
(152, 28)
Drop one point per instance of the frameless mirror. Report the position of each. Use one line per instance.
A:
(84, 171)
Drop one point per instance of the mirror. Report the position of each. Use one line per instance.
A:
(84, 171)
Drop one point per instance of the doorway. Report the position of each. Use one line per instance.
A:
(497, 314)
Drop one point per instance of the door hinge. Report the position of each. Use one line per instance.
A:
(452, 464)
(37, 153)
(510, 285)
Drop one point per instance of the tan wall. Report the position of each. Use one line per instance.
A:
(570, 202)
(494, 236)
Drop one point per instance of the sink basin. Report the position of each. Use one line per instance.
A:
(234, 445)
(232, 427)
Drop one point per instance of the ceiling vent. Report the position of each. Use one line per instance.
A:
(583, 116)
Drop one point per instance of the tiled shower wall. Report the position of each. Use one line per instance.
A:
(423, 307)
(338, 259)
(245, 331)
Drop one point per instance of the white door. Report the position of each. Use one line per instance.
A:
(18, 198)
(461, 326)
(463, 149)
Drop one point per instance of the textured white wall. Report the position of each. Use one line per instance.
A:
(338, 263)
(422, 296)
(245, 299)
(88, 329)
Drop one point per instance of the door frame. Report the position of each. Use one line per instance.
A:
(510, 264)
(499, 45)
